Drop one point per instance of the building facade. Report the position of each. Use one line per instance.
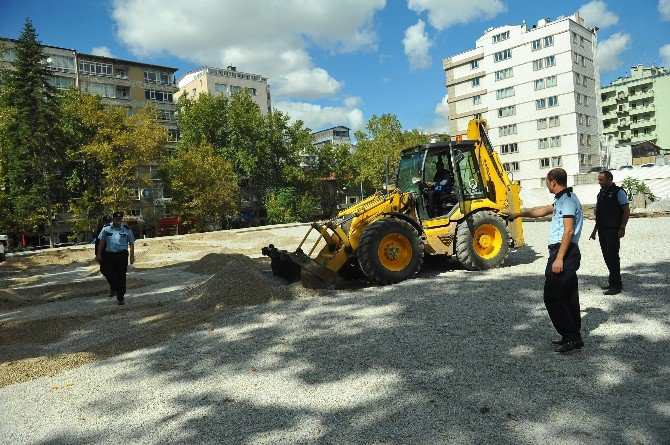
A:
(123, 83)
(637, 108)
(226, 81)
(537, 88)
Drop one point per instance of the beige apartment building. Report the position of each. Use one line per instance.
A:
(124, 83)
(226, 81)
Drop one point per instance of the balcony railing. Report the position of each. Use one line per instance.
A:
(641, 123)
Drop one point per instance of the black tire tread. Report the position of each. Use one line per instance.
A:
(464, 241)
(367, 251)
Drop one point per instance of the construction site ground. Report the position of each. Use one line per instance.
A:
(211, 348)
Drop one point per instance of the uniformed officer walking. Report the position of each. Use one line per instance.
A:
(561, 293)
(612, 212)
(116, 240)
(104, 222)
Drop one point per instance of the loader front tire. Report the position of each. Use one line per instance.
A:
(390, 251)
(482, 241)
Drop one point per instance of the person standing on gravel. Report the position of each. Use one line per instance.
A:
(561, 290)
(116, 240)
(612, 212)
(104, 221)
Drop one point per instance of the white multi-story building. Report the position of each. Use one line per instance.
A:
(537, 88)
(226, 81)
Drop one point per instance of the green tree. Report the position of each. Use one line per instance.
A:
(635, 187)
(287, 205)
(30, 147)
(203, 120)
(331, 171)
(384, 138)
(204, 186)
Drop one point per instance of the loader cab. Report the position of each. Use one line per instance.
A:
(418, 170)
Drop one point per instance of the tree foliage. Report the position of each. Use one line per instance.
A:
(331, 170)
(204, 185)
(635, 187)
(287, 205)
(31, 152)
(384, 138)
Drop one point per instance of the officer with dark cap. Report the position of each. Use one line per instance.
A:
(118, 243)
(104, 222)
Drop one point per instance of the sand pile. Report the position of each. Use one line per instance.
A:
(238, 282)
(214, 262)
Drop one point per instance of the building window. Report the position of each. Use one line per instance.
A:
(251, 91)
(477, 116)
(101, 89)
(554, 121)
(575, 37)
(475, 82)
(536, 44)
(551, 81)
(220, 87)
(556, 141)
(588, 140)
(502, 55)
(166, 115)
(235, 89)
(586, 100)
(173, 135)
(161, 77)
(541, 124)
(504, 93)
(556, 161)
(587, 121)
(578, 98)
(549, 61)
(504, 74)
(509, 148)
(507, 111)
(500, 37)
(60, 83)
(539, 84)
(537, 64)
(511, 166)
(543, 143)
(548, 41)
(540, 104)
(553, 101)
(476, 100)
(95, 68)
(506, 130)
(544, 163)
(474, 64)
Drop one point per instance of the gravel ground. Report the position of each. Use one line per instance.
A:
(452, 357)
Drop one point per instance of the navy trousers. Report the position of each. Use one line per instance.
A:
(561, 294)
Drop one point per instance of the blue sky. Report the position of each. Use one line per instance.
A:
(333, 62)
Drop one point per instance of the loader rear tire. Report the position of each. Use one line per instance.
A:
(390, 251)
(482, 241)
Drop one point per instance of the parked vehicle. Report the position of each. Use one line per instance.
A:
(597, 169)
(4, 244)
(648, 165)
(626, 167)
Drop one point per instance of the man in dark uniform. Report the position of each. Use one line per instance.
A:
(442, 184)
(105, 221)
(612, 212)
(561, 293)
(116, 240)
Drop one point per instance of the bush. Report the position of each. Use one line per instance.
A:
(286, 205)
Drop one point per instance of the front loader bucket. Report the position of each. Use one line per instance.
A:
(294, 266)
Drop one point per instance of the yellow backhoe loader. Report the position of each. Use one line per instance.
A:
(447, 198)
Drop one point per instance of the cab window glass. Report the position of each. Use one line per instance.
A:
(471, 180)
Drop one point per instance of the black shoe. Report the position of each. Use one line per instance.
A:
(557, 342)
(612, 291)
(122, 302)
(112, 294)
(569, 346)
(605, 287)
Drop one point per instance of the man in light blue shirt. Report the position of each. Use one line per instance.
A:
(561, 292)
(116, 240)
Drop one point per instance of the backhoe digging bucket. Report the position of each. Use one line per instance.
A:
(294, 266)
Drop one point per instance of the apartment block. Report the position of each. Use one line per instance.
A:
(127, 84)
(636, 109)
(226, 81)
(537, 88)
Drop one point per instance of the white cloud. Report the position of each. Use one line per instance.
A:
(417, 44)
(444, 13)
(595, 13)
(664, 9)
(311, 84)
(268, 37)
(102, 51)
(610, 49)
(441, 123)
(317, 117)
(665, 55)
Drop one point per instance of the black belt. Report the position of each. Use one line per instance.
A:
(557, 245)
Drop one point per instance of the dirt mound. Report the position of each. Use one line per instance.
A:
(238, 282)
(214, 262)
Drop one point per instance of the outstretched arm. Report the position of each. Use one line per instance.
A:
(537, 212)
